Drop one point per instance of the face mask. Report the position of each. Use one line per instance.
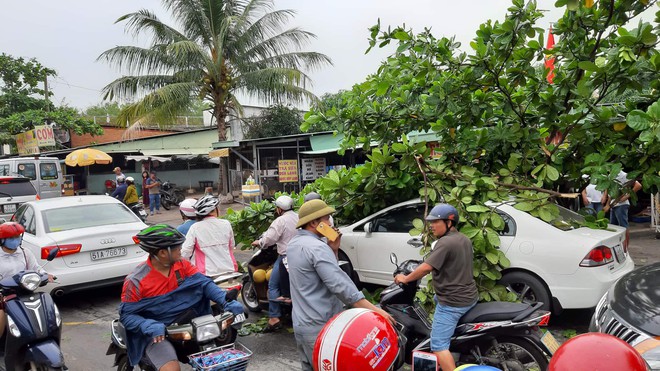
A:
(12, 243)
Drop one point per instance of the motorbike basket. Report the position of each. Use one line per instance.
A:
(232, 357)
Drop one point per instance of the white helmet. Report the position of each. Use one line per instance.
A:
(187, 207)
(205, 205)
(120, 179)
(130, 179)
(284, 202)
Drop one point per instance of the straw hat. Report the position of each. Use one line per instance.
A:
(311, 210)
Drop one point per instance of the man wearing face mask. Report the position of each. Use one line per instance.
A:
(14, 258)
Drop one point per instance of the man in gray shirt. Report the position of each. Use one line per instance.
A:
(319, 288)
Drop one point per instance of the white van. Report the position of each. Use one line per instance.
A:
(45, 173)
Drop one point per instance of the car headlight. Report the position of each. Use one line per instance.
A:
(58, 317)
(30, 281)
(13, 329)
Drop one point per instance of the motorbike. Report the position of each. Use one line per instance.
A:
(189, 336)
(255, 294)
(138, 209)
(34, 325)
(170, 195)
(499, 334)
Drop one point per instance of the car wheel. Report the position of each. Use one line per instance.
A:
(348, 268)
(528, 288)
(250, 297)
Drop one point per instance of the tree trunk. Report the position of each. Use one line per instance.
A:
(220, 114)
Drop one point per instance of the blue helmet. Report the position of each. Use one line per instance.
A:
(443, 212)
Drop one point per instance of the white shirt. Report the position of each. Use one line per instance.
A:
(10, 264)
(210, 246)
(622, 178)
(280, 232)
(593, 195)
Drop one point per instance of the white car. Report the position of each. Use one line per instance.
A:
(570, 268)
(94, 235)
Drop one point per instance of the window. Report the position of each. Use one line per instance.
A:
(509, 225)
(398, 220)
(26, 219)
(28, 170)
(48, 170)
(17, 187)
(567, 219)
(4, 170)
(67, 218)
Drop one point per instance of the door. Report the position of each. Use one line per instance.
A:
(389, 233)
(50, 179)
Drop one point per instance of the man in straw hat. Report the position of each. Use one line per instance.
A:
(319, 287)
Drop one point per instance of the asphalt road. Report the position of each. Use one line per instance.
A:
(87, 317)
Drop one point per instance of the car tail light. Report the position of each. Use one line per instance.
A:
(626, 241)
(64, 250)
(600, 255)
(37, 198)
(136, 240)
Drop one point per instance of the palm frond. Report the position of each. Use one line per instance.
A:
(146, 21)
(259, 21)
(190, 15)
(137, 60)
(276, 84)
(297, 60)
(283, 42)
(161, 105)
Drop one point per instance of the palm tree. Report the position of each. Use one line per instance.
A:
(221, 48)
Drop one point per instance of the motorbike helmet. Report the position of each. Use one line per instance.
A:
(443, 212)
(312, 196)
(129, 179)
(205, 205)
(356, 339)
(187, 207)
(10, 230)
(284, 202)
(596, 351)
(121, 179)
(159, 237)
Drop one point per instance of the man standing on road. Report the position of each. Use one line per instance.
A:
(280, 232)
(620, 206)
(450, 263)
(319, 288)
(118, 173)
(153, 185)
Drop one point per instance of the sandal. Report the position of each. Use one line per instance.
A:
(272, 328)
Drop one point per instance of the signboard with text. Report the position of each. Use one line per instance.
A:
(313, 168)
(45, 136)
(287, 170)
(27, 143)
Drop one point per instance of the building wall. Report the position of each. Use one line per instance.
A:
(182, 178)
(110, 134)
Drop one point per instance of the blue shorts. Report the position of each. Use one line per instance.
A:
(445, 320)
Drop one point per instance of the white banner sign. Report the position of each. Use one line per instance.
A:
(313, 168)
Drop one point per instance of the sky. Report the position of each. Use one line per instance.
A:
(69, 35)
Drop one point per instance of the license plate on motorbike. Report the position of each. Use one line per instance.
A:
(550, 342)
(143, 213)
(239, 318)
(108, 253)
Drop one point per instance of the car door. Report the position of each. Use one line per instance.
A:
(50, 184)
(388, 232)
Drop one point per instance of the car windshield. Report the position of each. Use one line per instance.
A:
(85, 216)
(15, 188)
(567, 220)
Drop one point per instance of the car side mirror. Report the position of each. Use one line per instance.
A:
(415, 242)
(368, 227)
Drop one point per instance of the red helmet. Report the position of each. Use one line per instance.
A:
(356, 339)
(596, 351)
(11, 229)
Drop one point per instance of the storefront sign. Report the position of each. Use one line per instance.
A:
(313, 168)
(27, 143)
(287, 170)
(45, 136)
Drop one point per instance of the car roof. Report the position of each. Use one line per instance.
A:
(58, 202)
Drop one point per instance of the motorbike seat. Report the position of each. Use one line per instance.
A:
(498, 311)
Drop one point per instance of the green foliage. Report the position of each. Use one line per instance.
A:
(275, 121)
(65, 117)
(103, 109)
(373, 297)
(324, 104)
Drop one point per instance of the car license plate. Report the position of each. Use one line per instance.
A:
(10, 208)
(108, 253)
(550, 342)
(239, 318)
(143, 213)
(620, 255)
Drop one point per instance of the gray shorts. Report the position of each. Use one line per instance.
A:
(158, 354)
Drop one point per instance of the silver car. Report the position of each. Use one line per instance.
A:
(14, 191)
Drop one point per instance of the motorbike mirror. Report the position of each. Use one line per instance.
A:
(3, 220)
(415, 242)
(394, 259)
(52, 254)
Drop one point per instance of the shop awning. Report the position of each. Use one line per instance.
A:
(176, 151)
(221, 152)
(324, 143)
(147, 158)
